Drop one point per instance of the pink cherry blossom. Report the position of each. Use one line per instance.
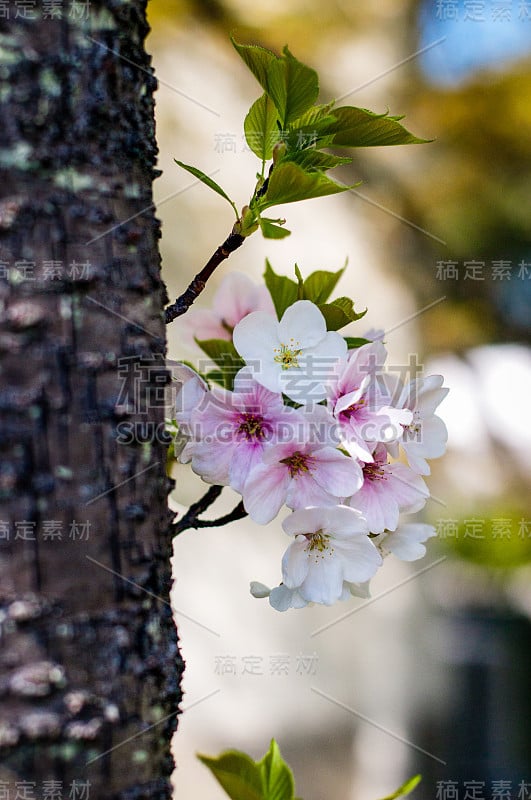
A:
(360, 402)
(387, 490)
(236, 297)
(191, 389)
(299, 473)
(233, 429)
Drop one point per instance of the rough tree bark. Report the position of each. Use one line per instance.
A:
(89, 663)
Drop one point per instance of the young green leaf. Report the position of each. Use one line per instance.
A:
(276, 775)
(208, 182)
(283, 291)
(315, 118)
(238, 774)
(358, 127)
(257, 58)
(289, 183)
(292, 86)
(405, 789)
(224, 354)
(356, 341)
(272, 231)
(260, 126)
(320, 284)
(339, 313)
(312, 160)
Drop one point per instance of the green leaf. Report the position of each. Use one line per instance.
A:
(260, 126)
(315, 118)
(311, 160)
(358, 127)
(320, 284)
(289, 183)
(283, 291)
(339, 313)
(356, 341)
(292, 86)
(276, 775)
(208, 182)
(224, 354)
(257, 58)
(272, 231)
(238, 775)
(405, 789)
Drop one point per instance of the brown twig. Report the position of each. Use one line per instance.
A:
(183, 303)
(190, 519)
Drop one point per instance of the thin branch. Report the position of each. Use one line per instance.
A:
(190, 519)
(183, 303)
(237, 513)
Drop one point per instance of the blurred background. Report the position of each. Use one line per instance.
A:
(432, 674)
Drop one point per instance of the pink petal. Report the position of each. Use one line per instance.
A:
(303, 491)
(238, 296)
(264, 492)
(336, 473)
(212, 462)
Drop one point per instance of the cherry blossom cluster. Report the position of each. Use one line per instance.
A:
(320, 428)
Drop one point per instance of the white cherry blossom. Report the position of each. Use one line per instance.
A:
(330, 547)
(295, 356)
(406, 542)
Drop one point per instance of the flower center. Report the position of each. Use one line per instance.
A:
(413, 431)
(252, 426)
(318, 544)
(287, 354)
(317, 541)
(374, 472)
(297, 463)
(354, 408)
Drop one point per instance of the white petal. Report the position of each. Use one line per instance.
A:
(259, 590)
(359, 557)
(338, 521)
(295, 563)
(302, 322)
(281, 598)
(324, 583)
(256, 337)
(359, 589)
(406, 542)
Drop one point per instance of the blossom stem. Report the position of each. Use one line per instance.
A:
(183, 303)
(190, 519)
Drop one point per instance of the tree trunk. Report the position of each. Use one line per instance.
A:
(89, 664)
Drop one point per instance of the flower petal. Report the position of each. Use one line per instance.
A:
(302, 322)
(295, 563)
(256, 337)
(237, 296)
(264, 492)
(337, 473)
(324, 582)
(359, 557)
